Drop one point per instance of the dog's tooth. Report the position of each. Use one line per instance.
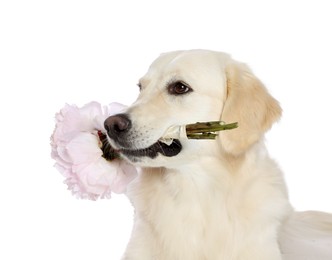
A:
(167, 141)
(175, 132)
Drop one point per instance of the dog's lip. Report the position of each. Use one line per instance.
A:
(157, 148)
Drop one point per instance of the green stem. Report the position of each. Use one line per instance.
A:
(205, 130)
(203, 136)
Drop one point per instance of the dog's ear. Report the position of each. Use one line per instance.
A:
(248, 103)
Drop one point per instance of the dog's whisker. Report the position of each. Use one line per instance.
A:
(161, 147)
(177, 144)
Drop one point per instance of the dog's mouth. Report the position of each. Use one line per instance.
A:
(168, 150)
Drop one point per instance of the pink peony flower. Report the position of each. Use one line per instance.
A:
(76, 148)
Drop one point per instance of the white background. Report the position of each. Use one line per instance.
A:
(57, 52)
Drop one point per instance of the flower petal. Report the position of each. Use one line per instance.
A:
(97, 177)
(126, 173)
(84, 149)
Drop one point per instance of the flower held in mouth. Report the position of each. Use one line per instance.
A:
(76, 148)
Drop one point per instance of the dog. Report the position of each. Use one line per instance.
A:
(219, 199)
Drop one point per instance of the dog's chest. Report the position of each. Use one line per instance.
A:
(189, 219)
(208, 217)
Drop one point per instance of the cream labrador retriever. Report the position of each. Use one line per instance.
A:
(217, 199)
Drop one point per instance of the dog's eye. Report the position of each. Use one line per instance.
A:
(178, 88)
(139, 86)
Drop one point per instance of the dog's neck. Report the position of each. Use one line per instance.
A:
(217, 171)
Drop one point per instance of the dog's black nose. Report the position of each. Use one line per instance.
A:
(117, 125)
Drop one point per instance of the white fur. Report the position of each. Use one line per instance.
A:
(218, 199)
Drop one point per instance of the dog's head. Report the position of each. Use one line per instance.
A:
(186, 87)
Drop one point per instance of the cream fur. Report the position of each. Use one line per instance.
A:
(216, 200)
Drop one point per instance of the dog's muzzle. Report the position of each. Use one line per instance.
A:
(118, 127)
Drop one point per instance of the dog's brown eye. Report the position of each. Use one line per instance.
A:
(139, 86)
(178, 88)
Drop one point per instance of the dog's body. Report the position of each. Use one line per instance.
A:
(206, 209)
(194, 199)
